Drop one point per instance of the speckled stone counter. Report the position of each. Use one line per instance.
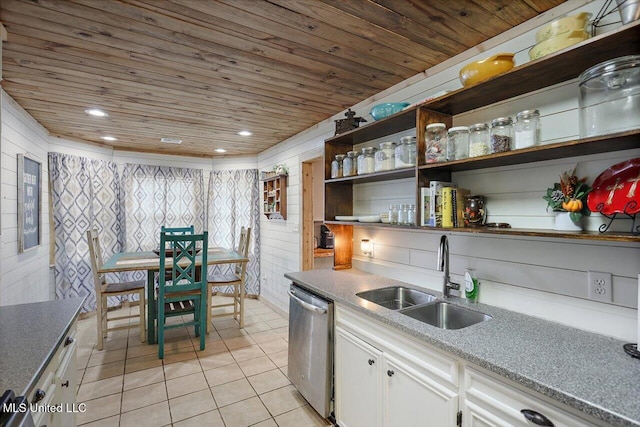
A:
(586, 371)
(29, 336)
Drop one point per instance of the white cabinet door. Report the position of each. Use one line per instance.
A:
(413, 399)
(358, 391)
(65, 379)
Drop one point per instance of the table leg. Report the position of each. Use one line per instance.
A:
(151, 312)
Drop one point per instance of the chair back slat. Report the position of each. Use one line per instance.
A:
(95, 254)
(243, 247)
(180, 271)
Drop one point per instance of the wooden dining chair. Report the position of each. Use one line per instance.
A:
(236, 280)
(105, 290)
(185, 293)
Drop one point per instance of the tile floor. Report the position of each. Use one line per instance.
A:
(240, 379)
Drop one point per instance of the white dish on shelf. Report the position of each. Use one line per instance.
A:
(346, 218)
(369, 218)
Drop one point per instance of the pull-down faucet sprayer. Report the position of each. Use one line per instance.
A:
(443, 265)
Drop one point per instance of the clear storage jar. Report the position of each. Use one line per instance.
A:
(458, 143)
(406, 152)
(436, 143)
(336, 166)
(385, 157)
(479, 140)
(501, 134)
(610, 97)
(527, 129)
(366, 161)
(393, 213)
(350, 164)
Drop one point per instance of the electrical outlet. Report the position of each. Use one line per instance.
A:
(600, 288)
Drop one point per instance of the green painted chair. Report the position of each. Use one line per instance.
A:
(184, 292)
(178, 231)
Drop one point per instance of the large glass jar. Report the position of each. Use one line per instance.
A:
(458, 143)
(366, 161)
(610, 97)
(336, 166)
(350, 164)
(436, 143)
(527, 129)
(501, 134)
(479, 140)
(385, 158)
(406, 152)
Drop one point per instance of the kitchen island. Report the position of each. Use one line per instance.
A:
(587, 372)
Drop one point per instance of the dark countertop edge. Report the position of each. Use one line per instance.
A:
(38, 374)
(582, 406)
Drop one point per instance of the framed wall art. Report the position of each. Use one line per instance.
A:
(29, 203)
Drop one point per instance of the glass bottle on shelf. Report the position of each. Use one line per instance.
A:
(393, 214)
(527, 129)
(458, 143)
(479, 140)
(402, 214)
(366, 161)
(501, 134)
(350, 164)
(436, 143)
(385, 157)
(406, 152)
(336, 166)
(411, 214)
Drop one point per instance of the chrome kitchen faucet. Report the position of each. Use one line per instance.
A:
(443, 265)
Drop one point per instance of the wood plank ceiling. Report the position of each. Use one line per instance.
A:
(202, 70)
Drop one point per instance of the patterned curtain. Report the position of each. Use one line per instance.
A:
(84, 194)
(154, 196)
(233, 202)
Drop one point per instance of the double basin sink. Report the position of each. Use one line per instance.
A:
(424, 307)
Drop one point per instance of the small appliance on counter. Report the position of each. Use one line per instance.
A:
(327, 238)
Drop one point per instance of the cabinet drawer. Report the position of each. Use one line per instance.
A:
(492, 402)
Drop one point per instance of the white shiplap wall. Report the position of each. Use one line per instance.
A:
(523, 274)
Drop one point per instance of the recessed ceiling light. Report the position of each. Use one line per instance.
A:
(220, 150)
(244, 133)
(96, 112)
(171, 140)
(109, 138)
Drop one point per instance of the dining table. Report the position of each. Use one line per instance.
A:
(149, 261)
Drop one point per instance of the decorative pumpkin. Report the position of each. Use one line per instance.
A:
(573, 205)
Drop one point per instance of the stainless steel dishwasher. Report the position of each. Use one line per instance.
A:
(311, 348)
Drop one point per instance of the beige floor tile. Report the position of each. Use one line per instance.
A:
(212, 347)
(262, 310)
(106, 356)
(278, 323)
(154, 415)
(235, 391)
(283, 332)
(79, 375)
(223, 375)
(114, 343)
(179, 355)
(143, 362)
(208, 419)
(244, 413)
(246, 353)
(142, 350)
(225, 323)
(266, 423)
(239, 342)
(257, 327)
(100, 388)
(270, 316)
(82, 360)
(190, 405)
(262, 337)
(282, 400)
(280, 358)
(180, 369)
(187, 384)
(226, 334)
(105, 422)
(302, 417)
(256, 366)
(100, 372)
(268, 381)
(144, 396)
(218, 360)
(274, 346)
(142, 378)
(102, 407)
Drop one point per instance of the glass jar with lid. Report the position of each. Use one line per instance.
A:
(402, 214)
(366, 161)
(336, 166)
(393, 213)
(385, 157)
(411, 214)
(479, 140)
(458, 143)
(436, 143)
(527, 129)
(501, 134)
(350, 164)
(406, 152)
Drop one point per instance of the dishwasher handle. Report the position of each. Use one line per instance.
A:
(306, 305)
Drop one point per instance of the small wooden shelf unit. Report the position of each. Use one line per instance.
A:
(274, 196)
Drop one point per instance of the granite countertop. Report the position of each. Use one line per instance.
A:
(584, 370)
(29, 336)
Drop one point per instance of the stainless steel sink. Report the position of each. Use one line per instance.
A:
(446, 316)
(396, 297)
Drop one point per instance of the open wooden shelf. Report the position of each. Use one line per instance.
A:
(274, 197)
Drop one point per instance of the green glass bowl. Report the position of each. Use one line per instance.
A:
(381, 111)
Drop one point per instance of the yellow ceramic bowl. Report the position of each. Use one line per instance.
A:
(563, 26)
(484, 69)
(557, 43)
